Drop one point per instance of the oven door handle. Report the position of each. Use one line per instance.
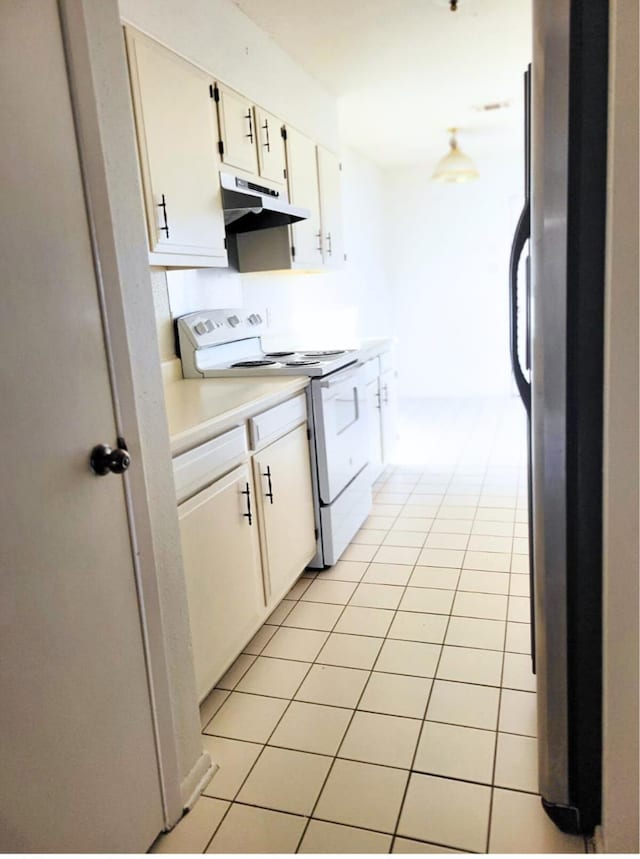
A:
(338, 378)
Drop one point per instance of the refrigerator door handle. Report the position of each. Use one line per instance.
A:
(520, 238)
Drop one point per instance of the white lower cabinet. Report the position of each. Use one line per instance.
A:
(282, 475)
(375, 428)
(388, 412)
(221, 555)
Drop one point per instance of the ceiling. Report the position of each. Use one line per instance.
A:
(406, 70)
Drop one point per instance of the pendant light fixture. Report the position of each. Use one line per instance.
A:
(455, 166)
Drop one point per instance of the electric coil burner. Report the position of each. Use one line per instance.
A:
(259, 363)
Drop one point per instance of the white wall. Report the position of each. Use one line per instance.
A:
(448, 252)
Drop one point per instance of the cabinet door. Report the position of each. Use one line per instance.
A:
(330, 208)
(177, 142)
(221, 556)
(282, 474)
(271, 159)
(302, 175)
(237, 130)
(375, 428)
(389, 412)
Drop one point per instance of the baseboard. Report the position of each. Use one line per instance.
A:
(199, 777)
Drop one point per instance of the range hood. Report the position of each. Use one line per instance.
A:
(249, 206)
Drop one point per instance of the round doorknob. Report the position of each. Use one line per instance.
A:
(105, 459)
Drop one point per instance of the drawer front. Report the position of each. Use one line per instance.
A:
(205, 463)
(386, 361)
(273, 423)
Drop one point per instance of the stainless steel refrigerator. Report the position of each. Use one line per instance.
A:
(557, 287)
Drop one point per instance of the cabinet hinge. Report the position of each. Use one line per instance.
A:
(293, 252)
(345, 257)
(214, 92)
(225, 243)
(283, 132)
(317, 533)
(308, 434)
(221, 147)
(340, 166)
(284, 172)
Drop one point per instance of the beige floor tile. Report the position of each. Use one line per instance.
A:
(456, 499)
(396, 695)
(385, 510)
(521, 530)
(396, 555)
(358, 620)
(432, 600)
(404, 538)
(407, 845)
(232, 677)
(464, 704)
(497, 562)
(362, 795)
(211, 704)
(298, 589)
(470, 665)
(377, 596)
(434, 577)
(369, 537)
(413, 524)
(425, 498)
(492, 529)
(419, 511)
(344, 571)
(466, 511)
(350, 651)
(448, 812)
(489, 606)
(260, 640)
(311, 728)
(441, 558)
(481, 581)
(476, 632)
(503, 501)
(518, 638)
(248, 830)
(446, 541)
(324, 838)
(192, 833)
(456, 752)
(234, 758)
(520, 825)
(280, 612)
(284, 780)
(451, 526)
(517, 672)
(379, 523)
(391, 497)
(518, 713)
(338, 593)
(519, 585)
(485, 543)
(520, 564)
(408, 657)
(519, 609)
(521, 545)
(494, 514)
(381, 739)
(380, 573)
(517, 763)
(313, 615)
(419, 626)
(247, 717)
(300, 644)
(278, 678)
(327, 684)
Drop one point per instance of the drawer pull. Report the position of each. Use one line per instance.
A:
(246, 491)
(268, 494)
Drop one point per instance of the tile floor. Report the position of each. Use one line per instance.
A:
(388, 704)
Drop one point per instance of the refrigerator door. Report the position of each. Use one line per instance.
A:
(568, 202)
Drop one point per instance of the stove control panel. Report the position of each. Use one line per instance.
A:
(213, 327)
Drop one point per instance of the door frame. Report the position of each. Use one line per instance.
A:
(94, 50)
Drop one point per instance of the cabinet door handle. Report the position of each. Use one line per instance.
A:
(268, 494)
(319, 238)
(378, 397)
(248, 116)
(330, 250)
(163, 206)
(386, 393)
(246, 491)
(266, 143)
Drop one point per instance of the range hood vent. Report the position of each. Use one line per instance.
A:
(249, 206)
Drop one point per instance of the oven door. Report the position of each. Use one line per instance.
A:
(341, 426)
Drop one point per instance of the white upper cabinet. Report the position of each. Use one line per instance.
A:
(238, 133)
(330, 208)
(177, 144)
(302, 174)
(271, 159)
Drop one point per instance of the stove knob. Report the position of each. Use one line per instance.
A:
(209, 325)
(200, 328)
(258, 318)
(233, 321)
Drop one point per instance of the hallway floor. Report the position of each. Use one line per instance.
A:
(388, 704)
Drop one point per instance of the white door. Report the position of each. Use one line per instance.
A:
(220, 549)
(237, 130)
(79, 770)
(302, 175)
(270, 146)
(330, 208)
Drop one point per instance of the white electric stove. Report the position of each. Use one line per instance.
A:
(227, 343)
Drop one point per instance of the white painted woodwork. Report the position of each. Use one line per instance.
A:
(271, 156)
(389, 412)
(269, 425)
(374, 408)
(79, 766)
(302, 175)
(196, 468)
(330, 208)
(222, 567)
(177, 144)
(237, 131)
(287, 523)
